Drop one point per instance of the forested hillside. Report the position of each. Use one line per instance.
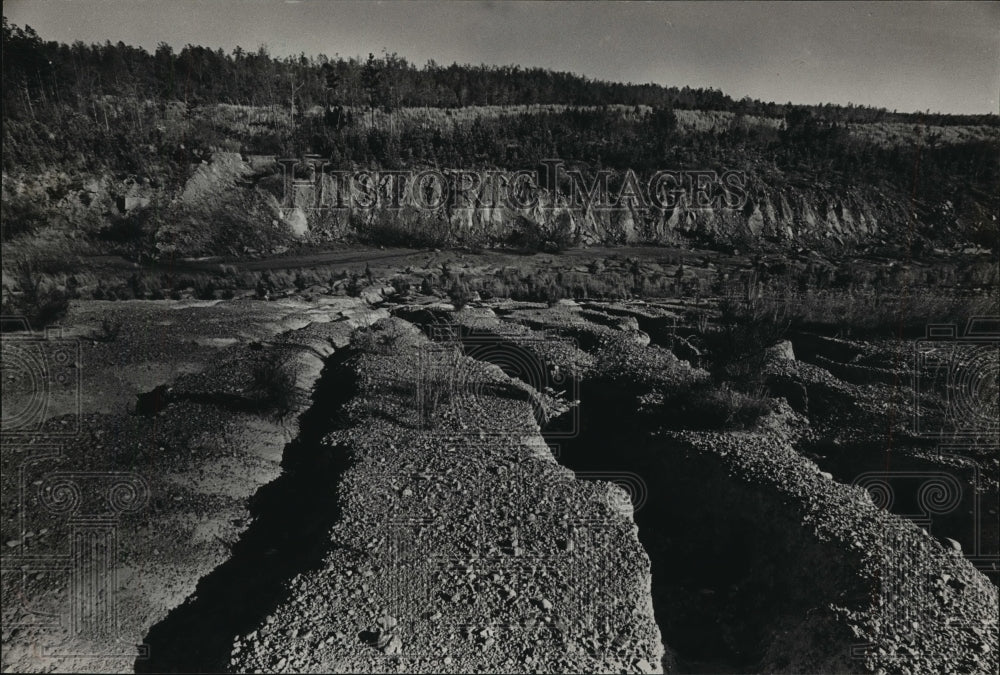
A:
(133, 124)
(201, 75)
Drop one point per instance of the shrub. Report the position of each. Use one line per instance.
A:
(40, 300)
(204, 288)
(248, 280)
(354, 286)
(379, 338)
(748, 327)
(134, 234)
(228, 225)
(882, 314)
(408, 227)
(263, 288)
(459, 294)
(436, 385)
(139, 285)
(20, 214)
(400, 285)
(706, 406)
(273, 386)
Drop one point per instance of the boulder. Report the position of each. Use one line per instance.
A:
(782, 351)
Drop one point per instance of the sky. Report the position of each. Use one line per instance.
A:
(906, 56)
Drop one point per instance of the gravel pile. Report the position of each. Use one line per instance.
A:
(884, 595)
(456, 551)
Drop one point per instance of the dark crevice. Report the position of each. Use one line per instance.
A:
(692, 568)
(728, 571)
(837, 358)
(697, 560)
(520, 363)
(666, 332)
(909, 475)
(292, 517)
(586, 339)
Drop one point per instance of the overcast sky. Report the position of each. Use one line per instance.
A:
(910, 56)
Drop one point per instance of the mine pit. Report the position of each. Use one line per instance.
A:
(330, 364)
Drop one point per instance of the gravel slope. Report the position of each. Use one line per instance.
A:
(458, 553)
(887, 596)
(176, 485)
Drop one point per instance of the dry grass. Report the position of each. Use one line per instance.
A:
(706, 406)
(437, 383)
(880, 314)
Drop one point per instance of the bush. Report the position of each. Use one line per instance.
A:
(273, 386)
(708, 406)
(139, 285)
(134, 234)
(230, 225)
(400, 285)
(39, 299)
(20, 214)
(379, 338)
(748, 327)
(408, 227)
(354, 286)
(204, 288)
(459, 294)
(436, 385)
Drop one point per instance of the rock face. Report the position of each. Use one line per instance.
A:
(778, 216)
(210, 179)
(455, 550)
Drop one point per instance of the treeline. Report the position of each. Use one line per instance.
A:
(35, 70)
